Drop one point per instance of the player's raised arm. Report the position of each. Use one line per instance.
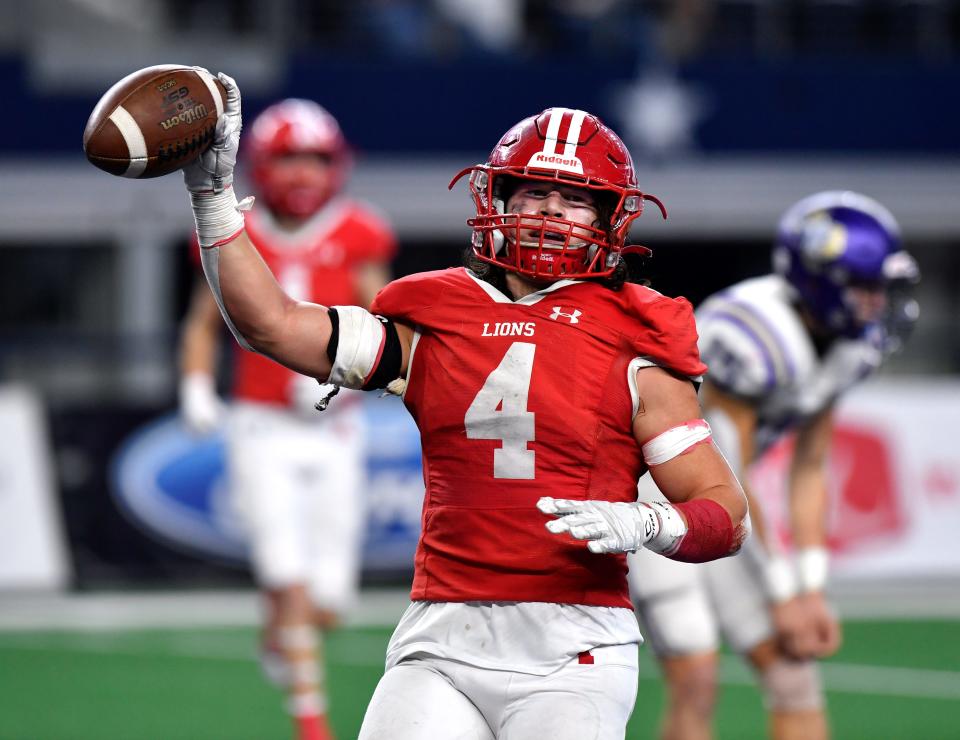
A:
(707, 516)
(258, 312)
(344, 344)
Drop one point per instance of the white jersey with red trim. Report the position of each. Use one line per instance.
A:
(756, 347)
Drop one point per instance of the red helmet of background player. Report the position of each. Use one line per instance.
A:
(565, 146)
(292, 127)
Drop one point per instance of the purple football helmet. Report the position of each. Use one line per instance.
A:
(831, 243)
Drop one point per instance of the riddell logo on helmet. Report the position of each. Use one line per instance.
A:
(556, 162)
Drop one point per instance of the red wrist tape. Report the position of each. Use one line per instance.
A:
(709, 532)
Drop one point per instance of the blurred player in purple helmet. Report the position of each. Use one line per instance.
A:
(781, 349)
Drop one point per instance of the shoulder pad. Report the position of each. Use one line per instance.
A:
(666, 332)
(410, 299)
(752, 341)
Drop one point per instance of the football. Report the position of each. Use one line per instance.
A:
(154, 121)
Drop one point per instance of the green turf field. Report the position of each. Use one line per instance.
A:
(892, 679)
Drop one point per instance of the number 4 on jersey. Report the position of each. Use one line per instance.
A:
(499, 411)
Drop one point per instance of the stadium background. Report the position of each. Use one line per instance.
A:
(112, 625)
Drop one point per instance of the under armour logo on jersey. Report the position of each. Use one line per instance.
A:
(574, 317)
(566, 160)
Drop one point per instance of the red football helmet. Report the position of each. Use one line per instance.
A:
(570, 147)
(291, 127)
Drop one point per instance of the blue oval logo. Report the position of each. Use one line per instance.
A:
(174, 486)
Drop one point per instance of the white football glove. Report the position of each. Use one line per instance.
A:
(200, 406)
(616, 527)
(212, 171)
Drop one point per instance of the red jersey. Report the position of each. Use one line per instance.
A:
(315, 263)
(521, 399)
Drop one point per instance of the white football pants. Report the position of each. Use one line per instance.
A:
(427, 698)
(297, 482)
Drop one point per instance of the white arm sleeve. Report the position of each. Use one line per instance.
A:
(210, 259)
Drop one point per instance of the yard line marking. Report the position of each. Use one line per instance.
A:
(888, 681)
(376, 608)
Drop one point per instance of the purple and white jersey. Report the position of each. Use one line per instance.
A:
(757, 348)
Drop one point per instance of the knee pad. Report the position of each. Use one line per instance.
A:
(679, 624)
(792, 687)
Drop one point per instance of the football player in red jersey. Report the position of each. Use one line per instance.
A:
(295, 475)
(543, 386)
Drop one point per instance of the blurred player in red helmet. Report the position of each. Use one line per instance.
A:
(543, 386)
(295, 475)
(291, 132)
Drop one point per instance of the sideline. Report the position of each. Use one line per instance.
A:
(144, 610)
(379, 607)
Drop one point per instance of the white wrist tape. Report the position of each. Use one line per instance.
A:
(359, 346)
(675, 441)
(218, 216)
(197, 385)
(812, 566)
(668, 527)
(780, 579)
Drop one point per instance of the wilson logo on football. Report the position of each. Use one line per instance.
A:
(188, 116)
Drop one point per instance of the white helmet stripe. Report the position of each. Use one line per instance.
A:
(548, 158)
(573, 135)
(553, 130)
